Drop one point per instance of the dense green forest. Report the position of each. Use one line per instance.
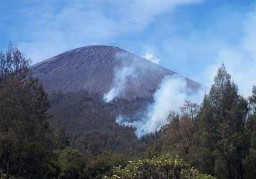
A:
(217, 137)
(89, 123)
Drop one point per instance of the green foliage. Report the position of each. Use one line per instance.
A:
(90, 123)
(71, 163)
(220, 138)
(157, 167)
(13, 62)
(221, 124)
(103, 163)
(250, 160)
(176, 138)
(25, 137)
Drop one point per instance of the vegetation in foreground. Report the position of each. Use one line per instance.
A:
(157, 167)
(217, 137)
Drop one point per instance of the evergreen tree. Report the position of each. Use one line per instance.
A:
(25, 140)
(250, 161)
(221, 125)
(205, 138)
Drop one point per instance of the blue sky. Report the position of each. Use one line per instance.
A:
(191, 37)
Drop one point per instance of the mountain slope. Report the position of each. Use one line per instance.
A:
(93, 68)
(76, 81)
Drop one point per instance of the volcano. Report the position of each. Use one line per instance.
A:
(76, 82)
(92, 69)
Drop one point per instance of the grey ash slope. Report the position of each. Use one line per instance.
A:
(92, 69)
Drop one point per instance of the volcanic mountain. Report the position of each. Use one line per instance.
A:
(76, 81)
(92, 69)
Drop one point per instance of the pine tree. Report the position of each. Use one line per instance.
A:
(221, 125)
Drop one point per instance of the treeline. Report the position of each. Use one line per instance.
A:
(220, 139)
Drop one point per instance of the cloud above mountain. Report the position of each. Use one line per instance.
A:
(53, 27)
(239, 58)
(191, 37)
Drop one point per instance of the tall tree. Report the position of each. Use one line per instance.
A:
(24, 131)
(190, 109)
(221, 125)
(250, 161)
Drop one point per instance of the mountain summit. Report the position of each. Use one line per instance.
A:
(95, 69)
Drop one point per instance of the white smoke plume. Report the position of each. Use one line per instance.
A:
(171, 95)
(151, 57)
(121, 76)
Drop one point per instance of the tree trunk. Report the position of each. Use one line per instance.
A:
(8, 169)
(8, 163)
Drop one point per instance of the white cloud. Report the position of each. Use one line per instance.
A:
(142, 13)
(239, 59)
(53, 28)
(229, 38)
(151, 57)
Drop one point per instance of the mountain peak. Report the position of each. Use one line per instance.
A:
(93, 69)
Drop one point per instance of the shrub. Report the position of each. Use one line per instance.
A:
(157, 167)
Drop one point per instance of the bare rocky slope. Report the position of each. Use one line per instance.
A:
(92, 69)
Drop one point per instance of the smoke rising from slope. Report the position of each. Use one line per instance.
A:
(170, 95)
(120, 78)
(122, 74)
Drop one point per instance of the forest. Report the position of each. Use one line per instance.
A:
(214, 139)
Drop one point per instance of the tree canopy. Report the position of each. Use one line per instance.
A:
(24, 130)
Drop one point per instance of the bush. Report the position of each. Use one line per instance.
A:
(157, 167)
(71, 163)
